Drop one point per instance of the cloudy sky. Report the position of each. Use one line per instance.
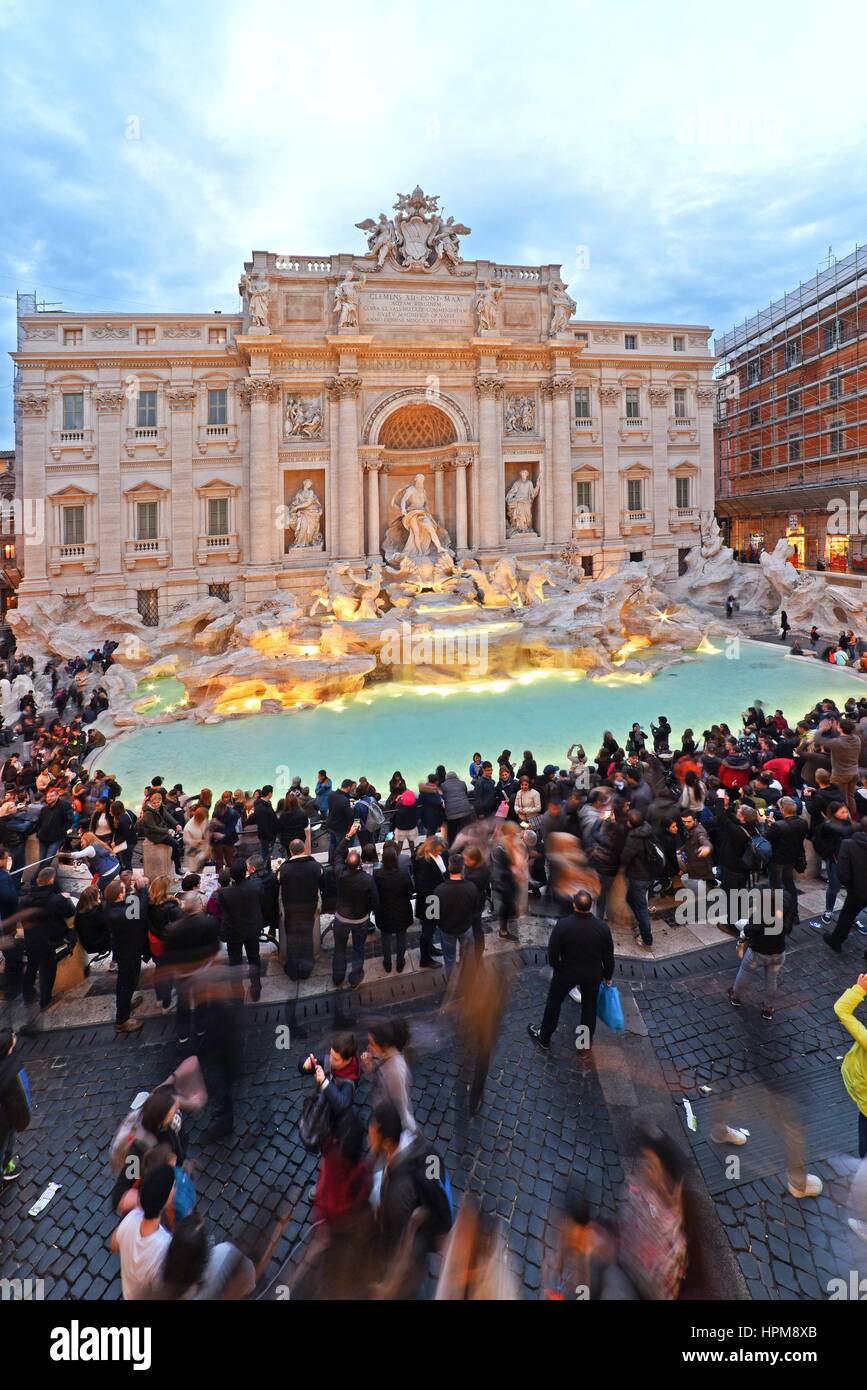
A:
(682, 163)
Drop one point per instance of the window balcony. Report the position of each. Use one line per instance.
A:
(585, 429)
(226, 548)
(631, 520)
(587, 523)
(61, 440)
(634, 426)
(145, 437)
(139, 554)
(683, 427)
(217, 437)
(81, 555)
(683, 516)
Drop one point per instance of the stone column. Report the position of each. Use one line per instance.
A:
(184, 512)
(31, 540)
(562, 386)
(491, 479)
(660, 499)
(260, 393)
(332, 471)
(613, 544)
(546, 492)
(438, 492)
(350, 515)
(374, 538)
(109, 404)
(460, 469)
(705, 399)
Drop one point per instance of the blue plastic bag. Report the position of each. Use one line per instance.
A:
(609, 1007)
(25, 1083)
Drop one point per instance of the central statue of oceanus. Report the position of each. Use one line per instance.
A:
(414, 530)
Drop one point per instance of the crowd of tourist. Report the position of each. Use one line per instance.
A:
(196, 883)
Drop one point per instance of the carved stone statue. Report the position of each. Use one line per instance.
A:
(303, 419)
(534, 584)
(369, 588)
(254, 288)
(504, 578)
(381, 237)
(305, 511)
(445, 240)
(487, 305)
(418, 239)
(336, 596)
(346, 299)
(415, 524)
(405, 582)
(519, 504)
(563, 307)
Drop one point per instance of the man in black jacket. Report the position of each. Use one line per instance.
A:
(14, 1106)
(766, 949)
(125, 916)
(261, 871)
(457, 902)
(357, 897)
(191, 941)
(266, 821)
(852, 867)
(300, 885)
(485, 793)
(580, 952)
(47, 917)
(339, 817)
(786, 836)
(409, 1225)
(732, 835)
(243, 921)
(54, 821)
(640, 863)
(817, 799)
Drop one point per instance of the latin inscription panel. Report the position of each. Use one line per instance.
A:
(420, 308)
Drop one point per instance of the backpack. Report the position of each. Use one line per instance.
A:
(655, 858)
(129, 1132)
(375, 816)
(433, 1193)
(757, 854)
(314, 1124)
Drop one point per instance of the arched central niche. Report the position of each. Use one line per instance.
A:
(417, 426)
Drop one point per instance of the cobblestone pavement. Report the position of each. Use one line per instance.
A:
(768, 1077)
(544, 1119)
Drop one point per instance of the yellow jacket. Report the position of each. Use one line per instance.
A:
(854, 1068)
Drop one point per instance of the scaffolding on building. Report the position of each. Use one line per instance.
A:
(773, 446)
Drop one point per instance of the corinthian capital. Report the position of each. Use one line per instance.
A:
(658, 395)
(706, 395)
(107, 400)
(489, 385)
(181, 397)
(562, 383)
(609, 395)
(33, 403)
(256, 388)
(339, 386)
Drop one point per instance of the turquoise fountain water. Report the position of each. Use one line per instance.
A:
(414, 727)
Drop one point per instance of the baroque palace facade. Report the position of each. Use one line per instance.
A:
(360, 407)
